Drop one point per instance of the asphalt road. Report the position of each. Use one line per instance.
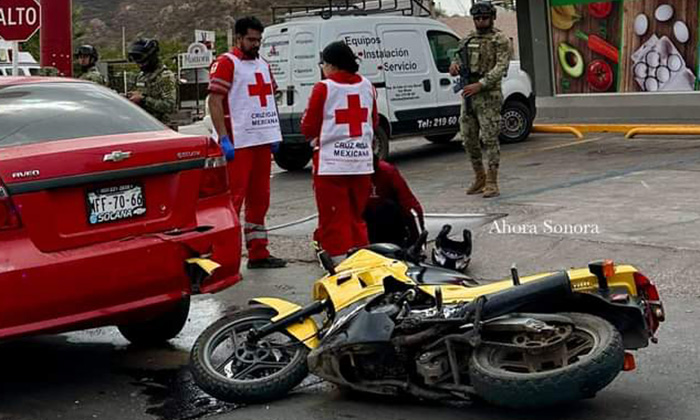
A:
(641, 196)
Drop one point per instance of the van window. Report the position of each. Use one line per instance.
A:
(443, 46)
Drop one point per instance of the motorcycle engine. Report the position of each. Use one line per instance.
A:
(433, 367)
(380, 365)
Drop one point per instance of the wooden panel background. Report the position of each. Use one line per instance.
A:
(590, 25)
(685, 10)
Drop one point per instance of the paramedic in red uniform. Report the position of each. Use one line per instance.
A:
(340, 120)
(244, 113)
(393, 213)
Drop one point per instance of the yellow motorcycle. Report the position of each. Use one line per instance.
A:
(385, 322)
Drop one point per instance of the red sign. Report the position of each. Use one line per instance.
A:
(19, 19)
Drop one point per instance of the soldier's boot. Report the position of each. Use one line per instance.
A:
(477, 186)
(491, 188)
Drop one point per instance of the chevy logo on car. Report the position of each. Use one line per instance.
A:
(116, 156)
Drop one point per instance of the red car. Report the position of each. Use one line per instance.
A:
(101, 207)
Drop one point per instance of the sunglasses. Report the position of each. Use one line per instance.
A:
(482, 17)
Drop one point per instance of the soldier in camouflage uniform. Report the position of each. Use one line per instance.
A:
(486, 52)
(155, 87)
(87, 57)
(48, 71)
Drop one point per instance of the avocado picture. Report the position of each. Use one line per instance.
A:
(571, 60)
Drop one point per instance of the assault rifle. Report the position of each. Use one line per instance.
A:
(463, 80)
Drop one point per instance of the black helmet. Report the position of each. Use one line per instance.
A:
(87, 50)
(483, 8)
(144, 52)
(452, 254)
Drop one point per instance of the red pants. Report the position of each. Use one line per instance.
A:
(341, 200)
(249, 178)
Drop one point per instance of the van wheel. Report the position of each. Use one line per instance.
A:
(381, 143)
(159, 329)
(516, 122)
(293, 157)
(441, 138)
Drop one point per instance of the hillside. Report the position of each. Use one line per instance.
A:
(165, 19)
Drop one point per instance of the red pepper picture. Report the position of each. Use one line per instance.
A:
(600, 10)
(600, 46)
(599, 75)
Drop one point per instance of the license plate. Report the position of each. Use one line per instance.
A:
(112, 204)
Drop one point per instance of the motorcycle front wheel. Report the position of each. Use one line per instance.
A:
(225, 365)
(586, 362)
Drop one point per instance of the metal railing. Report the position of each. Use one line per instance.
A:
(346, 8)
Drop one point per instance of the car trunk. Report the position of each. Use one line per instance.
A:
(74, 193)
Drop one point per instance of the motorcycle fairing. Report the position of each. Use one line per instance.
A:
(305, 331)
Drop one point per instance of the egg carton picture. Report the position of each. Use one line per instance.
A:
(659, 66)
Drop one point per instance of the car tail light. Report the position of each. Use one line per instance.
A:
(214, 175)
(9, 216)
(629, 364)
(650, 294)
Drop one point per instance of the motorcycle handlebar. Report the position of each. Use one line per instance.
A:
(413, 253)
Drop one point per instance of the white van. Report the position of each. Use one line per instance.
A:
(405, 57)
(28, 66)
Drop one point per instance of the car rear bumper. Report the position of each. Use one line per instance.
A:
(114, 282)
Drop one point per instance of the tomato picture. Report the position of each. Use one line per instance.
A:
(599, 75)
(600, 10)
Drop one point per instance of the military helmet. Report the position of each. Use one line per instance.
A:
(144, 51)
(87, 50)
(483, 8)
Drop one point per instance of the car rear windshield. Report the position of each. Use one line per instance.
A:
(41, 112)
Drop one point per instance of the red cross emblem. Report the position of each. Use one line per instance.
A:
(260, 89)
(354, 115)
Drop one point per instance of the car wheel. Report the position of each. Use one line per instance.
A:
(441, 138)
(293, 157)
(381, 143)
(159, 329)
(516, 122)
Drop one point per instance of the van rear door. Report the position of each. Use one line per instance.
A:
(275, 50)
(293, 53)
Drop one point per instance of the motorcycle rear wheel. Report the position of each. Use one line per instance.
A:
(592, 357)
(231, 370)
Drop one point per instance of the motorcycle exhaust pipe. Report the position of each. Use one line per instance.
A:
(555, 287)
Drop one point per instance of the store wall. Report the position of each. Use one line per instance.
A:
(624, 46)
(622, 61)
